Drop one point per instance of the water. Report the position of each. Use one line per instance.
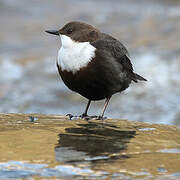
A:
(29, 80)
(54, 147)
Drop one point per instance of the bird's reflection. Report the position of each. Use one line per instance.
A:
(92, 141)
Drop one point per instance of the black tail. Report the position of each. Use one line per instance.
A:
(138, 77)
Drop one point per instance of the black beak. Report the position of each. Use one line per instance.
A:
(54, 32)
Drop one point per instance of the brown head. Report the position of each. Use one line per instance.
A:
(78, 31)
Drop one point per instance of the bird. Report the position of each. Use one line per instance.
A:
(92, 63)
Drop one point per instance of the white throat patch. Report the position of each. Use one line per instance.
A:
(72, 56)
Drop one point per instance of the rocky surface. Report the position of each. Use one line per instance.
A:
(150, 29)
(51, 146)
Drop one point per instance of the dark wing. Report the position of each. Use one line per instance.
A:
(120, 54)
(117, 50)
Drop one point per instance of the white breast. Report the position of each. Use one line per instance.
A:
(72, 56)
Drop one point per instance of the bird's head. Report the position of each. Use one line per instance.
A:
(76, 31)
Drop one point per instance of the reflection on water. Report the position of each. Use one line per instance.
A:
(92, 141)
(150, 29)
(55, 147)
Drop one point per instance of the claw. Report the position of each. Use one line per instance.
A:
(70, 116)
(101, 118)
(85, 116)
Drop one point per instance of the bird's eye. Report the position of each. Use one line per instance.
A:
(69, 31)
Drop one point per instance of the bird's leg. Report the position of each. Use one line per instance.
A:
(86, 110)
(104, 108)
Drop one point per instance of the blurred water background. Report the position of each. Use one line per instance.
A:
(29, 82)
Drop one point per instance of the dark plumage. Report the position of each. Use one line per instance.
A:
(110, 70)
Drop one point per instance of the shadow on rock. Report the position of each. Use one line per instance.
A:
(92, 141)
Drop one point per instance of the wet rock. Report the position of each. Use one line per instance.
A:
(150, 30)
(53, 146)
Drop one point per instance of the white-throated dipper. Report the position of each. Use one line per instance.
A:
(92, 63)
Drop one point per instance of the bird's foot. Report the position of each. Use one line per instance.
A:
(101, 118)
(85, 117)
(72, 117)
